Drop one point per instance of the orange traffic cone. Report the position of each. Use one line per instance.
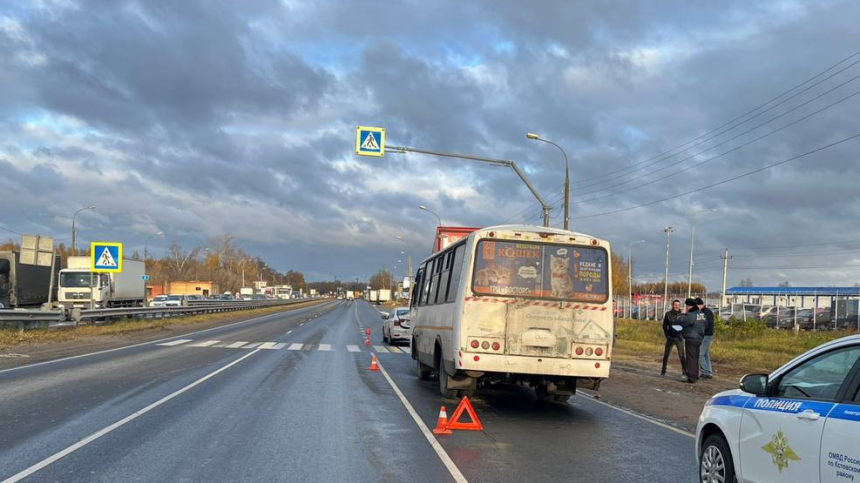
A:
(442, 423)
(373, 365)
(367, 342)
(466, 405)
(367, 331)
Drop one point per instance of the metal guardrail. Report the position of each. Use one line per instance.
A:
(32, 318)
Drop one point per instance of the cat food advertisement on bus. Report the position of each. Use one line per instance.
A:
(541, 270)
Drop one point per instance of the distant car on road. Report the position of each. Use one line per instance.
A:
(194, 298)
(158, 301)
(800, 423)
(396, 326)
(175, 301)
(259, 297)
(780, 319)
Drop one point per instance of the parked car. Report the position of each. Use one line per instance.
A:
(158, 301)
(796, 424)
(259, 297)
(815, 319)
(192, 298)
(396, 326)
(783, 318)
(175, 301)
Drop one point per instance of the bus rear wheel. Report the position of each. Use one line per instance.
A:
(443, 385)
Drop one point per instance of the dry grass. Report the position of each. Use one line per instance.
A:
(745, 346)
(11, 338)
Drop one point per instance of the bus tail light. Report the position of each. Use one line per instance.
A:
(598, 351)
(579, 351)
(475, 344)
(485, 345)
(496, 346)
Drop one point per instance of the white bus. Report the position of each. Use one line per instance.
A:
(515, 304)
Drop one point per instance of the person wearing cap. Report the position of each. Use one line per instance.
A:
(705, 350)
(673, 337)
(693, 325)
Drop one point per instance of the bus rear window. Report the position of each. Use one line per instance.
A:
(541, 270)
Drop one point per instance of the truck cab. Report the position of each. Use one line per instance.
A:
(80, 288)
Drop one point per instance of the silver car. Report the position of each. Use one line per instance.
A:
(396, 327)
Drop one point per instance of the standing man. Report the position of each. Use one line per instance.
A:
(705, 352)
(673, 337)
(694, 330)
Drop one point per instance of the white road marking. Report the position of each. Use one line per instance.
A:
(395, 350)
(236, 345)
(252, 345)
(290, 331)
(639, 416)
(325, 347)
(98, 434)
(176, 342)
(267, 345)
(295, 347)
(204, 344)
(156, 342)
(353, 348)
(440, 451)
(279, 346)
(380, 348)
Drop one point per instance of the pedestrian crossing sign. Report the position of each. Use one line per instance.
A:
(106, 257)
(370, 141)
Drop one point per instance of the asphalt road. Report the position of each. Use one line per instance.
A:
(295, 402)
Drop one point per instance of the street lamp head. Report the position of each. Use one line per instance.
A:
(531, 135)
(668, 229)
(422, 207)
(91, 207)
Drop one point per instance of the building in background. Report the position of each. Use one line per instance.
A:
(800, 297)
(192, 287)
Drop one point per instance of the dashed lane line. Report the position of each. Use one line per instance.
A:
(98, 434)
(236, 345)
(325, 347)
(206, 343)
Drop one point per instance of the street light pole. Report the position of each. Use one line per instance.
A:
(497, 162)
(668, 230)
(692, 241)
(438, 223)
(74, 232)
(630, 277)
(535, 137)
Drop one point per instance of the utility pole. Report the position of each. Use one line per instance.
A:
(692, 244)
(668, 230)
(725, 258)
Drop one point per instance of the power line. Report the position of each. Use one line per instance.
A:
(736, 148)
(626, 168)
(11, 231)
(728, 180)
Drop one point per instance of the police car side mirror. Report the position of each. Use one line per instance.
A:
(754, 384)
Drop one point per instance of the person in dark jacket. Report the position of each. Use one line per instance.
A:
(705, 350)
(673, 337)
(693, 323)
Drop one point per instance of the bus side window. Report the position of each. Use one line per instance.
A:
(434, 281)
(456, 268)
(416, 288)
(443, 277)
(425, 286)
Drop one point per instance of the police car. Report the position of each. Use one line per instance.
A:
(800, 424)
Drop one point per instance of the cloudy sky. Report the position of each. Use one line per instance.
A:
(198, 118)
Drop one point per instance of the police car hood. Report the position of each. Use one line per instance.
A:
(731, 392)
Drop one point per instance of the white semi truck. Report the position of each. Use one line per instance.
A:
(80, 287)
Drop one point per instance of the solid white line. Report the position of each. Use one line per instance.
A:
(35, 364)
(639, 416)
(204, 344)
(267, 345)
(98, 434)
(296, 347)
(236, 345)
(176, 342)
(380, 348)
(353, 348)
(440, 451)
(325, 347)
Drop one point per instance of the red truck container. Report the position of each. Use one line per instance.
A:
(448, 235)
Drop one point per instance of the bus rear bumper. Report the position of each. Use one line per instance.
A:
(537, 366)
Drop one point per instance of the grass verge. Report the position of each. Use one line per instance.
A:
(11, 338)
(745, 346)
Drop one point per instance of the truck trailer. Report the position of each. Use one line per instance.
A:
(80, 287)
(23, 285)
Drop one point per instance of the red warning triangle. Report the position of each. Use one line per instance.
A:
(454, 422)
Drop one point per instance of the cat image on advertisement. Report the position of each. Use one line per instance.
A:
(494, 274)
(562, 285)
